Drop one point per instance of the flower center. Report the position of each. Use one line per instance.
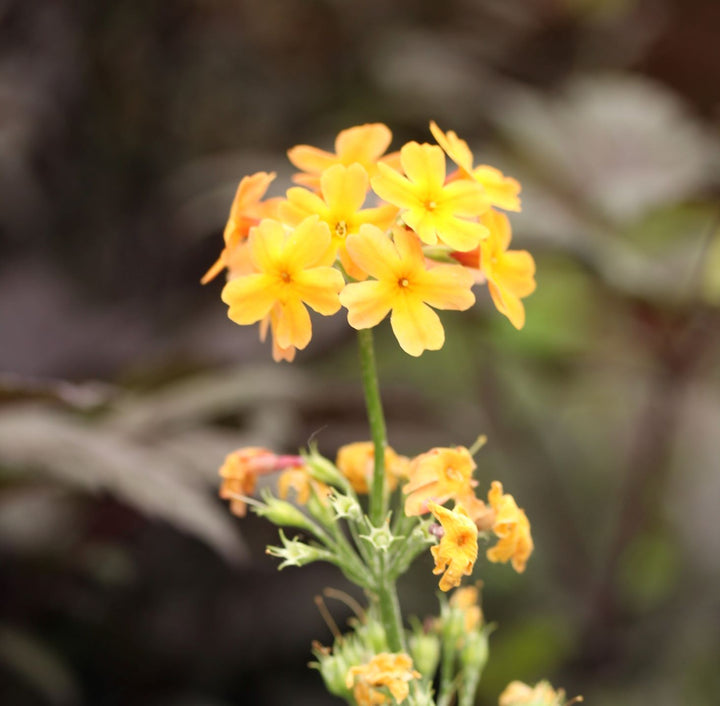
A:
(430, 205)
(403, 282)
(285, 276)
(341, 229)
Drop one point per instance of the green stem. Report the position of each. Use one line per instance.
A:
(390, 613)
(386, 590)
(378, 496)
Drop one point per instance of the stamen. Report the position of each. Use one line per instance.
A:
(285, 276)
(403, 282)
(341, 229)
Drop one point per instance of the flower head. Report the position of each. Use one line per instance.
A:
(437, 476)
(458, 548)
(390, 670)
(501, 191)
(362, 144)
(343, 191)
(405, 286)
(241, 469)
(247, 210)
(288, 278)
(356, 462)
(512, 527)
(300, 480)
(433, 209)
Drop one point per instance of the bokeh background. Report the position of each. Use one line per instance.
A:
(124, 129)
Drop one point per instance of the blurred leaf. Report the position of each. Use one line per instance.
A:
(94, 459)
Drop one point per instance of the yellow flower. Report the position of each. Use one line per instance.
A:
(437, 476)
(433, 209)
(510, 274)
(405, 286)
(364, 144)
(356, 462)
(247, 210)
(241, 469)
(501, 191)
(518, 693)
(343, 192)
(271, 322)
(288, 277)
(467, 600)
(512, 528)
(390, 670)
(458, 548)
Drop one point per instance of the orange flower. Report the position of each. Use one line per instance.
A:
(518, 693)
(241, 469)
(246, 211)
(364, 144)
(405, 286)
(512, 528)
(433, 209)
(458, 548)
(501, 191)
(510, 274)
(289, 276)
(299, 480)
(390, 670)
(437, 476)
(467, 600)
(356, 462)
(343, 192)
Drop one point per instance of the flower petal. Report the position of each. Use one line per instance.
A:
(300, 204)
(311, 159)
(373, 252)
(345, 188)
(395, 188)
(460, 234)
(424, 166)
(416, 326)
(368, 303)
(267, 241)
(293, 325)
(250, 298)
(508, 304)
(447, 287)
(319, 288)
(454, 147)
(464, 198)
(307, 244)
(363, 143)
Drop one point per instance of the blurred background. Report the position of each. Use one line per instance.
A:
(124, 129)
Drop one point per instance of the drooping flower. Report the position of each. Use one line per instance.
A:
(438, 475)
(364, 144)
(392, 671)
(518, 693)
(241, 469)
(456, 554)
(356, 462)
(501, 191)
(404, 286)
(288, 278)
(512, 528)
(510, 274)
(340, 205)
(433, 209)
(247, 210)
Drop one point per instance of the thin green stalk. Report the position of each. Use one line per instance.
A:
(376, 419)
(390, 612)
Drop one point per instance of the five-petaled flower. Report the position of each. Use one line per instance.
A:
(433, 209)
(405, 286)
(500, 191)
(290, 274)
(362, 144)
(392, 671)
(456, 554)
(247, 210)
(438, 475)
(343, 191)
(510, 274)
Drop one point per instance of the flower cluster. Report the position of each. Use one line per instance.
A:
(375, 233)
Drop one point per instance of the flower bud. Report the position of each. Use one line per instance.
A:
(282, 513)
